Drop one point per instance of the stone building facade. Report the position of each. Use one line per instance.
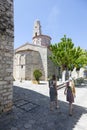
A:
(6, 54)
(33, 56)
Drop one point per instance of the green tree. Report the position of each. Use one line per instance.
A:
(65, 55)
(77, 56)
(62, 52)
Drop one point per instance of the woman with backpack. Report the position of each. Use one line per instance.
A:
(53, 93)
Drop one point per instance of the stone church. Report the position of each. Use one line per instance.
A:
(32, 56)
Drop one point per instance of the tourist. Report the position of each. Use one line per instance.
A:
(53, 92)
(70, 94)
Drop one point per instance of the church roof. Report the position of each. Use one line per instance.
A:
(28, 47)
(42, 36)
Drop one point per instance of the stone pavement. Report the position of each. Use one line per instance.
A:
(31, 109)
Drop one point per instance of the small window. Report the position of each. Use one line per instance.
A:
(36, 34)
(21, 66)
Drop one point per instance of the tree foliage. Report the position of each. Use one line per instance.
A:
(66, 56)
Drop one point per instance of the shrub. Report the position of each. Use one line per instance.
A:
(37, 74)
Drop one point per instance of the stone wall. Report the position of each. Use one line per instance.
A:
(25, 62)
(33, 57)
(51, 68)
(33, 62)
(6, 54)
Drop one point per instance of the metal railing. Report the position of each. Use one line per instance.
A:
(62, 85)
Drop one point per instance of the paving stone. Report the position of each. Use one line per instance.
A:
(13, 128)
(27, 125)
(34, 114)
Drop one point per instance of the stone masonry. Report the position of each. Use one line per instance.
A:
(29, 57)
(6, 54)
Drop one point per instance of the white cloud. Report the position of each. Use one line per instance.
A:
(52, 21)
(53, 16)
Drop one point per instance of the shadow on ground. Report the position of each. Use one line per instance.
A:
(31, 112)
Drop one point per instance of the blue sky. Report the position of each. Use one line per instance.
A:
(57, 17)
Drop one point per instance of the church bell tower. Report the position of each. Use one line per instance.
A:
(38, 38)
(37, 28)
